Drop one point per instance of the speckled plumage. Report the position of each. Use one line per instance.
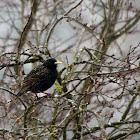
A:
(41, 78)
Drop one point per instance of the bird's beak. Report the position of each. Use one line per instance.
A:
(58, 62)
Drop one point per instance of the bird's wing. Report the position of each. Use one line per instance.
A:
(32, 78)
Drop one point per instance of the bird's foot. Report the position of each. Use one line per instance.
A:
(48, 94)
(44, 93)
(36, 97)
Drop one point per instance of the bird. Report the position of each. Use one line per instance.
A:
(40, 78)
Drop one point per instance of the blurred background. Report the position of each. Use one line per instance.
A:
(97, 92)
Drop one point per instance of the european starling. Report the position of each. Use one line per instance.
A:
(41, 78)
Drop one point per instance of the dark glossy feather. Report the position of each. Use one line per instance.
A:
(41, 78)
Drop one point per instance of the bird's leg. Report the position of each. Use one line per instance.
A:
(44, 93)
(48, 94)
(36, 95)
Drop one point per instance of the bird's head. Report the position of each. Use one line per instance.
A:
(51, 63)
